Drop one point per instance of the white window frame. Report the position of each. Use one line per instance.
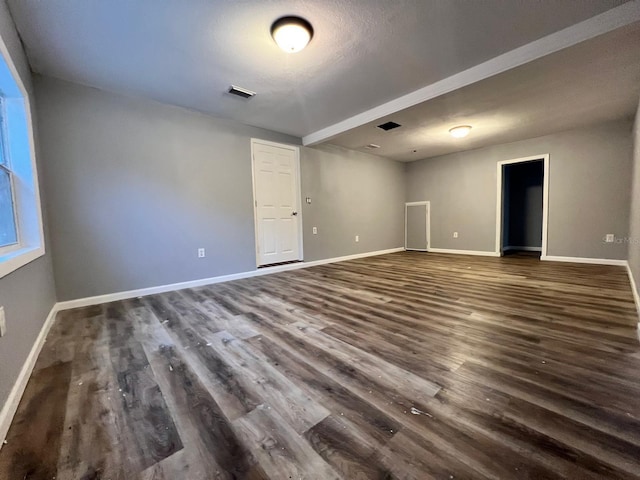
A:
(14, 246)
(7, 168)
(19, 150)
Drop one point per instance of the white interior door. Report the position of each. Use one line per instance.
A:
(276, 190)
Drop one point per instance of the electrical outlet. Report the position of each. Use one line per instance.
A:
(357, 238)
(201, 253)
(3, 323)
(308, 200)
(315, 230)
(455, 234)
(610, 238)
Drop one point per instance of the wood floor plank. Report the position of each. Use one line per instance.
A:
(213, 428)
(60, 344)
(194, 409)
(341, 445)
(598, 417)
(373, 423)
(400, 366)
(279, 449)
(299, 410)
(235, 397)
(393, 377)
(407, 456)
(176, 466)
(33, 442)
(95, 434)
(143, 405)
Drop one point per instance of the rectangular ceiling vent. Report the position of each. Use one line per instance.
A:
(241, 92)
(389, 126)
(371, 146)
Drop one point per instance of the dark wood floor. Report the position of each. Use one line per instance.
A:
(407, 365)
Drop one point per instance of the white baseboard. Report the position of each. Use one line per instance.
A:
(634, 290)
(595, 261)
(11, 405)
(522, 249)
(465, 252)
(112, 297)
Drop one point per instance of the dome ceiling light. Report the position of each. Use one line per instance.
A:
(292, 34)
(461, 131)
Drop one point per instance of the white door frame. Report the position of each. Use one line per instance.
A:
(296, 151)
(545, 200)
(413, 204)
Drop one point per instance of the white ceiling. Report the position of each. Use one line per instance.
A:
(595, 81)
(364, 52)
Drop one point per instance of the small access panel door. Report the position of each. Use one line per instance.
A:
(416, 226)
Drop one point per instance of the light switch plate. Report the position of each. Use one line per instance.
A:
(610, 238)
(455, 234)
(315, 230)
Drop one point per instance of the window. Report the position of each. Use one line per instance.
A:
(21, 238)
(8, 227)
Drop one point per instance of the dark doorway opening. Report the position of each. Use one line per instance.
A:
(522, 208)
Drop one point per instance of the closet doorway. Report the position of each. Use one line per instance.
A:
(521, 223)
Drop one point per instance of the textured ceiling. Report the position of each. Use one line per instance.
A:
(594, 81)
(364, 52)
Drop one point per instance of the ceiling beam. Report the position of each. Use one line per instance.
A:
(608, 21)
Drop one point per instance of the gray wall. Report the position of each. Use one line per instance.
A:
(352, 193)
(589, 191)
(522, 211)
(28, 293)
(135, 187)
(634, 228)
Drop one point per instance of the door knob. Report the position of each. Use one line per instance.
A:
(294, 213)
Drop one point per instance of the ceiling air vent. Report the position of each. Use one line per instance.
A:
(241, 92)
(389, 126)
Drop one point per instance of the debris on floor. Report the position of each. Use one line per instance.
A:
(415, 411)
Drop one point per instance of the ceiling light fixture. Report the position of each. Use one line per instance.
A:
(461, 131)
(291, 34)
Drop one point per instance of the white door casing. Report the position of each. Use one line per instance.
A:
(545, 199)
(276, 193)
(422, 207)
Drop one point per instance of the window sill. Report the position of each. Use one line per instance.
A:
(12, 261)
